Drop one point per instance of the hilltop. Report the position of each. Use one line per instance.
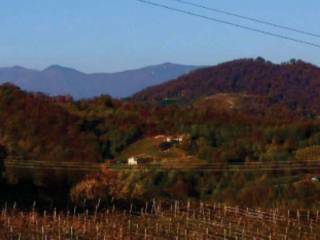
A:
(295, 84)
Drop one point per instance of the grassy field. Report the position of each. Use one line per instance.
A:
(172, 157)
(162, 220)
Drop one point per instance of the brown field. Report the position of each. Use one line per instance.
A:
(162, 220)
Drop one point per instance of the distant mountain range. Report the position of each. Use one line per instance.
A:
(59, 80)
(295, 84)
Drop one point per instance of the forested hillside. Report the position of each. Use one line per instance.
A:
(33, 127)
(221, 130)
(214, 137)
(295, 84)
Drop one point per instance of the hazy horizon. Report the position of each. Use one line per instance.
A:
(153, 65)
(119, 35)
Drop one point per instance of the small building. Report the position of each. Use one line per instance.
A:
(140, 160)
(171, 138)
(180, 138)
(132, 161)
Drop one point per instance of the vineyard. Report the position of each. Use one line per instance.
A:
(161, 220)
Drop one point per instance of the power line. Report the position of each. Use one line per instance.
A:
(284, 37)
(166, 169)
(272, 166)
(304, 170)
(256, 20)
(304, 162)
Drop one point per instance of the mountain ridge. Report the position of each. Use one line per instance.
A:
(60, 80)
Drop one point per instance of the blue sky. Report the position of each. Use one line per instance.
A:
(113, 35)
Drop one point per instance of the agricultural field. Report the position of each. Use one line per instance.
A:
(161, 152)
(161, 220)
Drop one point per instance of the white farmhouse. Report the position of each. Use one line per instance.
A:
(180, 138)
(132, 161)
